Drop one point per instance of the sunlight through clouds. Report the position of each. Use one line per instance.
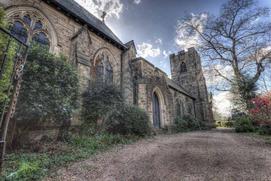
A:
(187, 37)
(146, 50)
(113, 8)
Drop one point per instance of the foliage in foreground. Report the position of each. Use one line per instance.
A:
(188, 123)
(5, 81)
(128, 120)
(34, 166)
(224, 124)
(49, 90)
(244, 124)
(259, 117)
(105, 110)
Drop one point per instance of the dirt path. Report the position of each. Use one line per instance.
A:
(212, 155)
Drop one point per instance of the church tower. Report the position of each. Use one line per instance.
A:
(186, 71)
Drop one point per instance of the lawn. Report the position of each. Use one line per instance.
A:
(27, 165)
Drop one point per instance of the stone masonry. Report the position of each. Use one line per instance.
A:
(85, 39)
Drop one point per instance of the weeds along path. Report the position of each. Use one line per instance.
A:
(209, 155)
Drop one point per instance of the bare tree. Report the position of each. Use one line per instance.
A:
(239, 39)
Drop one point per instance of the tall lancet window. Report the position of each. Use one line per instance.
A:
(104, 71)
(183, 67)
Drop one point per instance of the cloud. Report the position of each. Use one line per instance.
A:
(137, 1)
(159, 41)
(146, 50)
(166, 53)
(222, 103)
(113, 8)
(187, 37)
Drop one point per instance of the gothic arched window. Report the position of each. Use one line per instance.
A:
(104, 71)
(29, 29)
(178, 109)
(19, 31)
(183, 67)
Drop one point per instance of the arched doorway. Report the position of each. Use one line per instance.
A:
(156, 111)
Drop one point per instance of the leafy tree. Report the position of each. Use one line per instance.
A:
(237, 39)
(5, 81)
(49, 91)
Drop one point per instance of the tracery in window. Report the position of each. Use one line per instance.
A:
(27, 20)
(19, 31)
(29, 29)
(183, 67)
(104, 71)
(41, 38)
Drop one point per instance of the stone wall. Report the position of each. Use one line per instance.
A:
(149, 80)
(69, 37)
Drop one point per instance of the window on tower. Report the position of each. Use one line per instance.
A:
(183, 67)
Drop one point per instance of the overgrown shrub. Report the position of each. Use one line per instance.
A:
(188, 123)
(224, 124)
(261, 110)
(128, 120)
(243, 124)
(5, 81)
(264, 129)
(99, 101)
(104, 109)
(49, 91)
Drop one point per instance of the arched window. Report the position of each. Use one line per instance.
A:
(19, 31)
(29, 29)
(183, 67)
(104, 71)
(178, 109)
(41, 38)
(190, 108)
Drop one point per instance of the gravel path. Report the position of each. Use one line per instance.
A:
(209, 155)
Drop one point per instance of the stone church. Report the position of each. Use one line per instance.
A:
(96, 51)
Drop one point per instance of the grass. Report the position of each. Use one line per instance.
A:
(24, 165)
(266, 138)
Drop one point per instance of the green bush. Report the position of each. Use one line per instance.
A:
(243, 124)
(128, 120)
(99, 101)
(5, 81)
(49, 91)
(224, 124)
(264, 129)
(188, 123)
(34, 166)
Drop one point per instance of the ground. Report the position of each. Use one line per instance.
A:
(204, 155)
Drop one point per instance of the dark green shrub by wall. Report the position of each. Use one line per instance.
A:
(98, 101)
(188, 123)
(104, 109)
(128, 120)
(243, 124)
(49, 91)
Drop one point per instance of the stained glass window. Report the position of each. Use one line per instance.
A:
(108, 72)
(27, 20)
(99, 72)
(38, 25)
(19, 31)
(104, 71)
(41, 38)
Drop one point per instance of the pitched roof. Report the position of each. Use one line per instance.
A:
(74, 9)
(180, 89)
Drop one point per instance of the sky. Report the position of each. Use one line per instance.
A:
(152, 24)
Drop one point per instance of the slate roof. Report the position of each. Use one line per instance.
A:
(74, 9)
(180, 89)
